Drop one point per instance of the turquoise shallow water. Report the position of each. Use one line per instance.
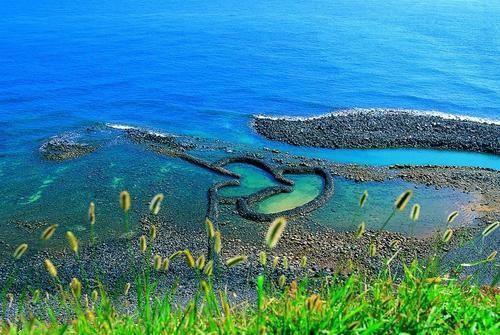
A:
(203, 68)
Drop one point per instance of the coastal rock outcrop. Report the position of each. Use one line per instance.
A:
(60, 149)
(383, 128)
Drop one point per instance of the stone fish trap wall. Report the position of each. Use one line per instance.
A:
(244, 204)
(177, 146)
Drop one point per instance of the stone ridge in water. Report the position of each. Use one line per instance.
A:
(384, 129)
(60, 149)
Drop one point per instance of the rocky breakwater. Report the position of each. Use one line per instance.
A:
(384, 128)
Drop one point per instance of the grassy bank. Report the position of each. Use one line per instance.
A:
(404, 298)
(415, 305)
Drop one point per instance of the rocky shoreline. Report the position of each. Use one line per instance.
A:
(383, 128)
(117, 260)
(328, 251)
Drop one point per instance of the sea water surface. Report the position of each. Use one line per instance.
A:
(204, 68)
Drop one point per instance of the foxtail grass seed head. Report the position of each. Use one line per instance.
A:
(157, 260)
(51, 269)
(210, 228)
(275, 231)
(353, 325)
(285, 262)
(95, 295)
(490, 229)
(452, 217)
(143, 245)
(403, 200)
(165, 265)
(491, 256)
(20, 250)
(90, 316)
(217, 243)
(73, 241)
(209, 267)
(303, 262)
(415, 212)
(350, 264)
(361, 229)
(92, 213)
(125, 201)
(152, 232)
(276, 260)
(155, 204)
(126, 289)
(263, 258)
(394, 244)
(189, 259)
(282, 281)
(200, 262)
(205, 286)
(447, 235)
(233, 261)
(372, 250)
(76, 287)
(314, 302)
(363, 198)
(48, 232)
(225, 305)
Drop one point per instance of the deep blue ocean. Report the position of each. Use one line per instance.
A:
(205, 67)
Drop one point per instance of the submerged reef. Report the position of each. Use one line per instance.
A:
(60, 149)
(173, 142)
(181, 147)
(383, 128)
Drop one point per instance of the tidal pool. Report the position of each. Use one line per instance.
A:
(59, 192)
(305, 189)
(342, 212)
(253, 179)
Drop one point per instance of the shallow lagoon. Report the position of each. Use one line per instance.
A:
(59, 192)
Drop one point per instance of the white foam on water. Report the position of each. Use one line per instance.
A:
(382, 111)
(127, 127)
(120, 126)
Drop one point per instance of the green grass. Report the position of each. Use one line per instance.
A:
(418, 300)
(356, 305)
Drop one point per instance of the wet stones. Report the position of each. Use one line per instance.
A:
(172, 142)
(61, 149)
(381, 128)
